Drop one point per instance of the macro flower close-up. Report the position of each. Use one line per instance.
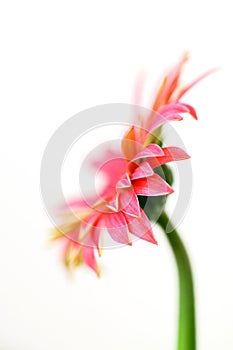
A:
(130, 175)
(115, 230)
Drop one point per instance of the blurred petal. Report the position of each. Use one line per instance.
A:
(160, 120)
(89, 259)
(173, 108)
(92, 234)
(129, 144)
(170, 83)
(188, 87)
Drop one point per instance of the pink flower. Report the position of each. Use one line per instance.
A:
(128, 175)
(118, 211)
(167, 105)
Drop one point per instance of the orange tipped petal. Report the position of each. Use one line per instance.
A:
(128, 145)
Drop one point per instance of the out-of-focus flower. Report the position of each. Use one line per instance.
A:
(167, 105)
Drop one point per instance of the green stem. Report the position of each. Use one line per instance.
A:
(186, 328)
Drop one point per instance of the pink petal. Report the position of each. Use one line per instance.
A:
(143, 170)
(171, 154)
(112, 169)
(92, 235)
(90, 260)
(138, 90)
(149, 151)
(141, 227)
(123, 183)
(116, 225)
(176, 108)
(78, 203)
(152, 186)
(128, 202)
(173, 108)
(129, 145)
(188, 87)
(191, 111)
(169, 84)
(160, 120)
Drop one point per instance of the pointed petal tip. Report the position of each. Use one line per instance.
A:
(153, 241)
(98, 272)
(170, 189)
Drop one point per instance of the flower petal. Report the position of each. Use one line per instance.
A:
(173, 108)
(129, 144)
(188, 87)
(152, 186)
(171, 154)
(191, 111)
(148, 152)
(91, 235)
(89, 259)
(170, 84)
(116, 225)
(128, 202)
(123, 183)
(143, 170)
(141, 227)
(161, 119)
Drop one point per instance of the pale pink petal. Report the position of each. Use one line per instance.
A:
(176, 108)
(173, 108)
(123, 183)
(160, 120)
(128, 202)
(171, 154)
(116, 225)
(143, 170)
(78, 203)
(151, 186)
(129, 144)
(113, 169)
(170, 84)
(188, 87)
(138, 89)
(149, 151)
(141, 227)
(91, 234)
(89, 259)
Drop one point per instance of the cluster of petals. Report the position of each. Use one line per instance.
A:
(117, 211)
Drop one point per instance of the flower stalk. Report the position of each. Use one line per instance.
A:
(186, 323)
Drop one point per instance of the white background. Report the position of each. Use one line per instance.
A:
(58, 58)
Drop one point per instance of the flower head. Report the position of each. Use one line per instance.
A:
(129, 175)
